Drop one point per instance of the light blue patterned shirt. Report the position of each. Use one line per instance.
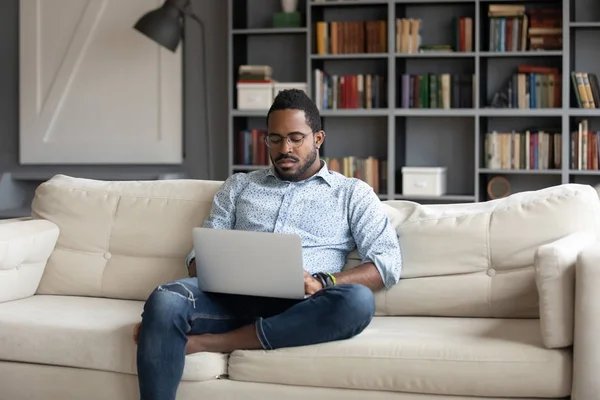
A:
(331, 213)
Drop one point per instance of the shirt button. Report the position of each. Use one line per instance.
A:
(107, 256)
(491, 272)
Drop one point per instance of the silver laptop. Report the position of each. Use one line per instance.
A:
(249, 263)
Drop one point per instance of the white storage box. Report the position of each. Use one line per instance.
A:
(423, 181)
(254, 96)
(279, 86)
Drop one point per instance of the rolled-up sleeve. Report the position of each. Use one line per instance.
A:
(376, 240)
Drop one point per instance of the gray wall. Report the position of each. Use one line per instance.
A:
(214, 15)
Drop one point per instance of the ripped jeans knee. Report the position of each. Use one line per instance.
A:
(179, 289)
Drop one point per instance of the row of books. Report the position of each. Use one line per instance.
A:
(409, 38)
(254, 73)
(351, 37)
(586, 89)
(463, 34)
(531, 86)
(584, 147)
(437, 91)
(512, 27)
(408, 35)
(349, 91)
(371, 170)
(250, 148)
(529, 150)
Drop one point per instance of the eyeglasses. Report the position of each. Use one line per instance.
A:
(294, 139)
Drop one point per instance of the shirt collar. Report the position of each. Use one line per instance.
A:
(323, 173)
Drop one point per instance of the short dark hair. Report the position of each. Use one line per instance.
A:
(296, 99)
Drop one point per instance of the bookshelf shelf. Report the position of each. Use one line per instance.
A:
(584, 172)
(270, 31)
(249, 167)
(454, 54)
(583, 112)
(434, 1)
(585, 25)
(356, 112)
(520, 171)
(249, 113)
(485, 2)
(350, 3)
(435, 112)
(520, 112)
(348, 56)
(384, 128)
(498, 54)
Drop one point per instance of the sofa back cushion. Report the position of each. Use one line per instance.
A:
(477, 260)
(119, 239)
(122, 239)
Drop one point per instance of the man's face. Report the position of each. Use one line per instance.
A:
(295, 150)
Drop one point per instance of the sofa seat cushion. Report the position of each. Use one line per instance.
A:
(449, 356)
(91, 333)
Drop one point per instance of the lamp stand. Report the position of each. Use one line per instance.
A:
(166, 26)
(205, 91)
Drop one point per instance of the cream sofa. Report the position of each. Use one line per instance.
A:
(498, 300)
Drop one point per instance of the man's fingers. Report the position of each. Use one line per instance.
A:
(307, 277)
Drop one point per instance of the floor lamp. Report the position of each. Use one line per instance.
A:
(165, 26)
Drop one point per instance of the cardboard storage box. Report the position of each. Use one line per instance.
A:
(254, 96)
(423, 181)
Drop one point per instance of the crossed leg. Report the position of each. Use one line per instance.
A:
(179, 319)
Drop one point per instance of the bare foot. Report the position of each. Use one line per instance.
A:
(241, 338)
(194, 344)
(136, 332)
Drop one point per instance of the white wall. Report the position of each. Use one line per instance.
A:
(214, 14)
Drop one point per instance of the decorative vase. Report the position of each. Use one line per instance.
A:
(289, 6)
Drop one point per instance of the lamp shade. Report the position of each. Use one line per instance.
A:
(164, 25)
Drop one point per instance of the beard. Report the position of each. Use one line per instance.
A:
(291, 174)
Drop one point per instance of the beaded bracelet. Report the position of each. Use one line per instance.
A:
(326, 279)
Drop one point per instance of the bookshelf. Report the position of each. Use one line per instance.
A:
(454, 128)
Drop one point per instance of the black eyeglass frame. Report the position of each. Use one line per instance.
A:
(287, 137)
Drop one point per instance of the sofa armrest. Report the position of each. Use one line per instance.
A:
(555, 280)
(25, 246)
(586, 349)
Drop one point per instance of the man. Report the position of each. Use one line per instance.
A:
(298, 195)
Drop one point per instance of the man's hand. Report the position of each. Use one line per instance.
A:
(311, 285)
(136, 332)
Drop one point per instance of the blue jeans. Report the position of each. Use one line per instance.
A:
(179, 308)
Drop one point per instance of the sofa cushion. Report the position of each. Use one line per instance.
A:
(25, 246)
(119, 239)
(477, 260)
(450, 356)
(82, 332)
